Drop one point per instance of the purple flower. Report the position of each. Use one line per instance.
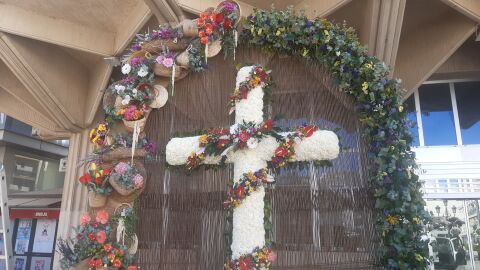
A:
(165, 33)
(136, 47)
(136, 61)
(150, 147)
(128, 80)
(121, 168)
(167, 62)
(154, 34)
(228, 7)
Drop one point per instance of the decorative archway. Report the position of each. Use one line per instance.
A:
(351, 84)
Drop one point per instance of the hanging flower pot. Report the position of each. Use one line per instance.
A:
(156, 46)
(123, 153)
(126, 178)
(96, 200)
(133, 245)
(161, 96)
(182, 59)
(83, 265)
(189, 28)
(214, 48)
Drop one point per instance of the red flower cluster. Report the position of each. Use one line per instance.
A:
(258, 77)
(209, 22)
(247, 184)
(194, 160)
(260, 258)
(95, 177)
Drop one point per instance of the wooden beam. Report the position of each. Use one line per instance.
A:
(162, 10)
(30, 24)
(130, 26)
(196, 6)
(469, 8)
(425, 47)
(315, 8)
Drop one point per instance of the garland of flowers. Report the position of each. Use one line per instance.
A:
(247, 184)
(258, 77)
(399, 202)
(260, 258)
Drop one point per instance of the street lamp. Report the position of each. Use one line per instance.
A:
(437, 209)
(445, 202)
(454, 210)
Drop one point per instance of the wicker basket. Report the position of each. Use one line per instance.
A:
(189, 28)
(182, 59)
(161, 96)
(161, 70)
(130, 125)
(133, 246)
(156, 46)
(96, 200)
(123, 153)
(214, 48)
(83, 265)
(127, 192)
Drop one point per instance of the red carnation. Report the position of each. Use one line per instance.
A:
(204, 40)
(91, 236)
(227, 23)
(309, 130)
(106, 171)
(218, 17)
(244, 136)
(240, 191)
(98, 180)
(281, 152)
(244, 263)
(222, 143)
(268, 125)
(201, 34)
(208, 29)
(85, 178)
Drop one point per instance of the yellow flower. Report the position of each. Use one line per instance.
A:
(418, 257)
(400, 109)
(203, 139)
(102, 127)
(278, 33)
(91, 133)
(416, 220)
(393, 220)
(365, 87)
(93, 166)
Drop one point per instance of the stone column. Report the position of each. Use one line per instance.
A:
(75, 196)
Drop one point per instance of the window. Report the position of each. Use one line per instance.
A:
(468, 103)
(437, 115)
(412, 116)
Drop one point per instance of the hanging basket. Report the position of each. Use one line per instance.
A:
(123, 153)
(189, 28)
(130, 125)
(96, 200)
(123, 191)
(214, 48)
(182, 59)
(238, 10)
(163, 71)
(83, 265)
(156, 46)
(161, 96)
(133, 246)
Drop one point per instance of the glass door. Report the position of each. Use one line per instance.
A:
(454, 234)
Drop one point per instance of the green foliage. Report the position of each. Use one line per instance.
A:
(380, 108)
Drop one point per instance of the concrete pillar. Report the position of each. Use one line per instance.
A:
(75, 196)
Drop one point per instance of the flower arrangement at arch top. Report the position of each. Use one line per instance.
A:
(220, 23)
(98, 135)
(127, 176)
(96, 179)
(93, 243)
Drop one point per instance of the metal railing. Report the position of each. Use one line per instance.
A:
(5, 219)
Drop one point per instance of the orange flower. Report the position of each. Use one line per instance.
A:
(132, 267)
(102, 217)
(201, 34)
(204, 40)
(204, 16)
(107, 247)
(101, 237)
(209, 29)
(117, 263)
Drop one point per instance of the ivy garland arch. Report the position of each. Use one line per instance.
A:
(400, 208)
(398, 200)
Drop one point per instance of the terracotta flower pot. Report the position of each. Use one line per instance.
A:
(96, 200)
(161, 96)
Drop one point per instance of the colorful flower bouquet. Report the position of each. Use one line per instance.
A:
(258, 77)
(126, 179)
(246, 185)
(98, 135)
(93, 247)
(134, 115)
(260, 258)
(121, 148)
(96, 180)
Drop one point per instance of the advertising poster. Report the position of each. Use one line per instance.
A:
(44, 236)
(40, 263)
(23, 236)
(19, 262)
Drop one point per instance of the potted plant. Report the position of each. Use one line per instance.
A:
(121, 148)
(96, 180)
(126, 179)
(134, 115)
